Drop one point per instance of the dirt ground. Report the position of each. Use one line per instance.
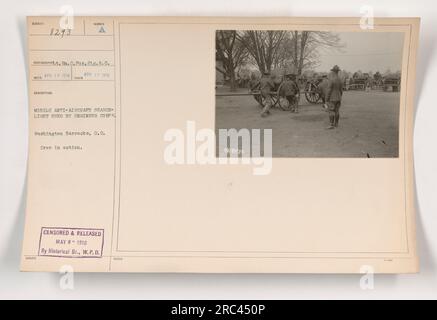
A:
(368, 126)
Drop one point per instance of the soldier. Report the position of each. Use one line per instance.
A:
(333, 97)
(290, 90)
(266, 87)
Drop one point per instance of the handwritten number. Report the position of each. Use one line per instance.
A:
(60, 32)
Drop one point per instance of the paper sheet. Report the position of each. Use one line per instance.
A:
(124, 172)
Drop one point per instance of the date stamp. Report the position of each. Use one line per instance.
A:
(71, 242)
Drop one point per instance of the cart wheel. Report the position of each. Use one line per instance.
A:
(311, 93)
(283, 102)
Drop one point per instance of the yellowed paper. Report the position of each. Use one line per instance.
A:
(108, 97)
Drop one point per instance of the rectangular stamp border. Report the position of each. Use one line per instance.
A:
(71, 257)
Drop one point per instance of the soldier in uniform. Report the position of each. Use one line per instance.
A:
(266, 87)
(290, 90)
(334, 94)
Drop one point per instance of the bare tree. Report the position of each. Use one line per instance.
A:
(270, 50)
(300, 49)
(231, 53)
(307, 46)
(264, 47)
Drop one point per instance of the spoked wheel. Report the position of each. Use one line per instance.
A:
(311, 93)
(283, 102)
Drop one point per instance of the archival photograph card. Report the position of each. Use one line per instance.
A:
(221, 145)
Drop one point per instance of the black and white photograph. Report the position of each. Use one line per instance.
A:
(323, 94)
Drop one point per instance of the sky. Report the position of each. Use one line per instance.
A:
(365, 51)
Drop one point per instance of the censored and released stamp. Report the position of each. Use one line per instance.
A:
(71, 242)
